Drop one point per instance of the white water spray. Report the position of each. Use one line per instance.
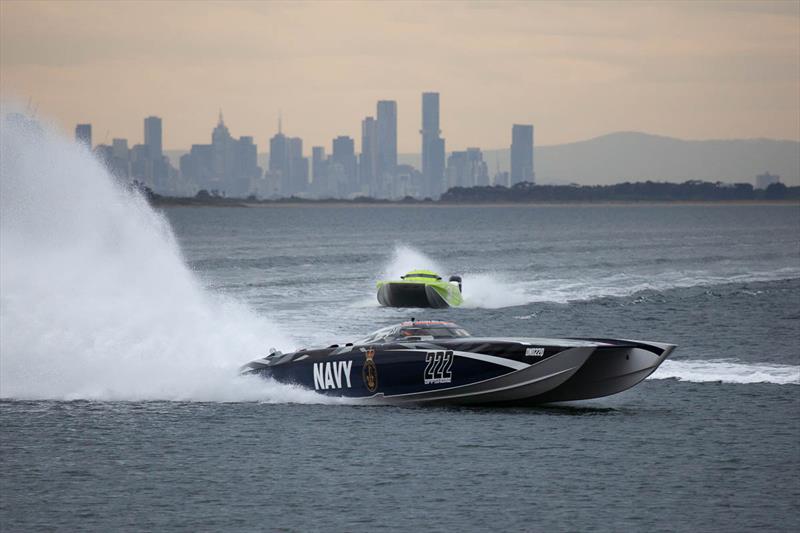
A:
(405, 259)
(95, 299)
(495, 290)
(728, 371)
(479, 290)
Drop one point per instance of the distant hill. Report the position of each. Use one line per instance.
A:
(633, 156)
(630, 156)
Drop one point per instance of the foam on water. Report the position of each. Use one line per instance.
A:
(405, 259)
(95, 299)
(483, 290)
(490, 291)
(486, 291)
(728, 371)
(565, 290)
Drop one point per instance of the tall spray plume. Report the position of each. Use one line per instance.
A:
(95, 299)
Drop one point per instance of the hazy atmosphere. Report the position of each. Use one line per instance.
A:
(404, 266)
(693, 70)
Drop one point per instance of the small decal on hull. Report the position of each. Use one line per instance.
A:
(332, 375)
(369, 373)
(534, 352)
(439, 368)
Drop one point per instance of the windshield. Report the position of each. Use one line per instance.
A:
(400, 332)
(412, 275)
(435, 332)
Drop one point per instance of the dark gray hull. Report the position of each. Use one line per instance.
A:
(470, 371)
(607, 371)
(410, 295)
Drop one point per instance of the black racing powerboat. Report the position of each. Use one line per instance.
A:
(439, 362)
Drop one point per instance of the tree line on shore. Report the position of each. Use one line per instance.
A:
(646, 191)
(525, 192)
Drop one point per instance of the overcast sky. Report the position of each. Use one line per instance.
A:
(576, 70)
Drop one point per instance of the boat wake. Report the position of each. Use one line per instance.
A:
(483, 290)
(95, 299)
(486, 291)
(727, 371)
(579, 289)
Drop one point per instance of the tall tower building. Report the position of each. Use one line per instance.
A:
(227, 165)
(387, 137)
(222, 150)
(368, 163)
(317, 162)
(277, 154)
(432, 146)
(152, 136)
(83, 134)
(286, 162)
(522, 153)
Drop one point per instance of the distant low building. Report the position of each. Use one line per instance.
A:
(467, 169)
(407, 181)
(83, 134)
(120, 161)
(502, 178)
(766, 179)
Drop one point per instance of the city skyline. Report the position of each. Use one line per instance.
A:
(576, 70)
(230, 166)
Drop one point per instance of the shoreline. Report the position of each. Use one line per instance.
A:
(241, 203)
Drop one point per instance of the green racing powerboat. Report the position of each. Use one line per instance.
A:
(421, 288)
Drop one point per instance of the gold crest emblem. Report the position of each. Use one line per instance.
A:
(370, 372)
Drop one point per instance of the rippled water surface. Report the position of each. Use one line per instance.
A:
(139, 423)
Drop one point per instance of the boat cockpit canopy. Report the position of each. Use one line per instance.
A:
(422, 274)
(409, 331)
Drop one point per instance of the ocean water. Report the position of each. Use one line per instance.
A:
(121, 329)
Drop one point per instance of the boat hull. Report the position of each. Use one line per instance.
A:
(404, 294)
(469, 371)
(609, 370)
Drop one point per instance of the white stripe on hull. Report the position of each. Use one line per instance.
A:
(502, 361)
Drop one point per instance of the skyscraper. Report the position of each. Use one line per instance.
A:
(83, 134)
(277, 154)
(386, 138)
(246, 166)
(157, 164)
(120, 163)
(223, 152)
(317, 163)
(432, 146)
(522, 153)
(344, 155)
(227, 165)
(287, 164)
(152, 137)
(368, 163)
(298, 165)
